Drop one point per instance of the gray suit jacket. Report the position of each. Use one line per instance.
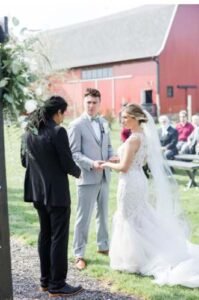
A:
(86, 148)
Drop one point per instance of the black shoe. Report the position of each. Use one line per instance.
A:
(67, 290)
(43, 288)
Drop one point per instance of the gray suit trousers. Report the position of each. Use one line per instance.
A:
(90, 196)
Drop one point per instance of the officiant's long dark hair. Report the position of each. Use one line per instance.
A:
(43, 114)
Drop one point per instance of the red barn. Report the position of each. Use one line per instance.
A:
(147, 55)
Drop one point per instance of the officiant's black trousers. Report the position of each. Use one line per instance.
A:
(53, 245)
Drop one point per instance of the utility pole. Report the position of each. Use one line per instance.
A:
(6, 292)
(188, 102)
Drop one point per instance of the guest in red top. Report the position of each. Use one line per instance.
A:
(184, 129)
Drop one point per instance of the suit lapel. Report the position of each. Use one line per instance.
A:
(101, 131)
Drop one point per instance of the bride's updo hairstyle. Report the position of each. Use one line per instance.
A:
(136, 112)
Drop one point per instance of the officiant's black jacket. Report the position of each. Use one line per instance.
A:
(47, 158)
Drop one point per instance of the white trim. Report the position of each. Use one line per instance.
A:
(168, 30)
(102, 78)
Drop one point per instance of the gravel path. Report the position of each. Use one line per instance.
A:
(25, 273)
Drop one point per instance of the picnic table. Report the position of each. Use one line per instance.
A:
(189, 166)
(187, 157)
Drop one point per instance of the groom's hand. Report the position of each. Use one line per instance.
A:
(97, 165)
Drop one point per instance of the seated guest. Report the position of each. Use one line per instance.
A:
(195, 121)
(168, 138)
(184, 129)
(193, 139)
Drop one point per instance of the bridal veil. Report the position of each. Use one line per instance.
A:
(164, 193)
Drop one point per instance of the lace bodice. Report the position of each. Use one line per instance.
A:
(132, 189)
(140, 157)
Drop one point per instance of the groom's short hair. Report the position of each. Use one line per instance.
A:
(92, 92)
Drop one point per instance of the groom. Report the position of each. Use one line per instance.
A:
(90, 145)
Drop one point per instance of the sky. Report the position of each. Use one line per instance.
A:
(36, 14)
(41, 15)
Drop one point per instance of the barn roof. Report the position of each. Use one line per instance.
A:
(134, 34)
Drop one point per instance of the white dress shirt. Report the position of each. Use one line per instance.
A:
(165, 130)
(96, 127)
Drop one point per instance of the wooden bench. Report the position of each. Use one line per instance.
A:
(190, 168)
(187, 157)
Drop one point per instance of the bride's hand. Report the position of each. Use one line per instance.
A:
(114, 159)
(105, 165)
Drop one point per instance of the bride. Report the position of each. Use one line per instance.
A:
(150, 234)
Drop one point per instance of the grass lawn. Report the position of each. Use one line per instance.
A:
(24, 226)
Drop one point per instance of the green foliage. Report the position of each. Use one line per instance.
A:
(108, 115)
(18, 72)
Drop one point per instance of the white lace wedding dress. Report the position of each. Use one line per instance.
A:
(142, 241)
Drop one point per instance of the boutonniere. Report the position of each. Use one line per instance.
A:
(106, 127)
